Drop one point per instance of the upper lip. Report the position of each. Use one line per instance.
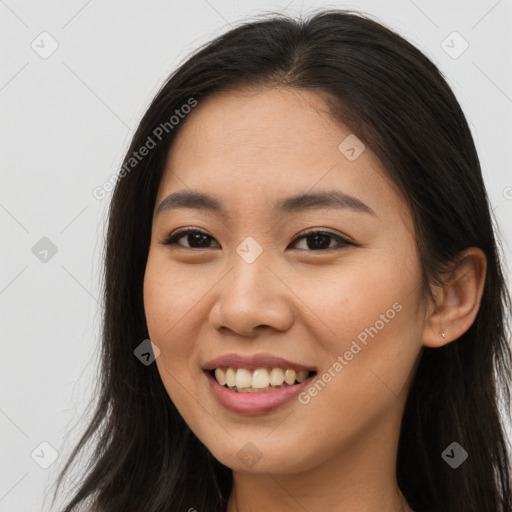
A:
(252, 362)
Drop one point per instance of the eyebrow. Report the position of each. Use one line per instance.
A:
(292, 204)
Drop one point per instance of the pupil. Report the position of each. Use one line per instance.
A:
(196, 237)
(320, 245)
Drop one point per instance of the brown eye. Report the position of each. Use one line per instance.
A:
(321, 240)
(195, 238)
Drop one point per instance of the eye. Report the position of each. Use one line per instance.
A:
(315, 240)
(196, 239)
(321, 240)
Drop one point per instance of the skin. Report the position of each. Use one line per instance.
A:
(251, 147)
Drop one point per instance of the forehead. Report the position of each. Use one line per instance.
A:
(249, 124)
(249, 145)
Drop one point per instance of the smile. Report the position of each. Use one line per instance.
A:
(243, 380)
(251, 401)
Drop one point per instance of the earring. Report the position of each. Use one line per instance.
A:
(443, 334)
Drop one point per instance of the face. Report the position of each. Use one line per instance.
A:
(329, 284)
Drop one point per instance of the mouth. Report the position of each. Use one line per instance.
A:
(241, 398)
(258, 380)
(256, 371)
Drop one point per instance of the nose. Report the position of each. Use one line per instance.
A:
(252, 297)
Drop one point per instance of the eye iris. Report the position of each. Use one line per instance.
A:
(319, 245)
(192, 238)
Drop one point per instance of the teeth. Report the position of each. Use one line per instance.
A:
(289, 376)
(276, 377)
(301, 376)
(259, 380)
(220, 376)
(230, 377)
(243, 378)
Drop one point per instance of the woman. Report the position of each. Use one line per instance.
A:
(301, 229)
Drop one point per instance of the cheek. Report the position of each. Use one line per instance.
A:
(170, 296)
(165, 309)
(176, 308)
(355, 298)
(369, 319)
(167, 305)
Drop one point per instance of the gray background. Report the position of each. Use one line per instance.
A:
(66, 121)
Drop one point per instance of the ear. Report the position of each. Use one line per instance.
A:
(457, 300)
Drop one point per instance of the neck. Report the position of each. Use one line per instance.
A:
(360, 478)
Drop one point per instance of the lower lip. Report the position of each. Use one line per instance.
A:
(255, 403)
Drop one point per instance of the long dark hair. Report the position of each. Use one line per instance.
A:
(398, 103)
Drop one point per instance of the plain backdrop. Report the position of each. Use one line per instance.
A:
(75, 78)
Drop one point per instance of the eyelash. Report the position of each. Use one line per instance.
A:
(173, 239)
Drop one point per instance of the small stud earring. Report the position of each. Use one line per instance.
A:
(443, 334)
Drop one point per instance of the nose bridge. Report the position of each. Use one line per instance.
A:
(251, 275)
(251, 295)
